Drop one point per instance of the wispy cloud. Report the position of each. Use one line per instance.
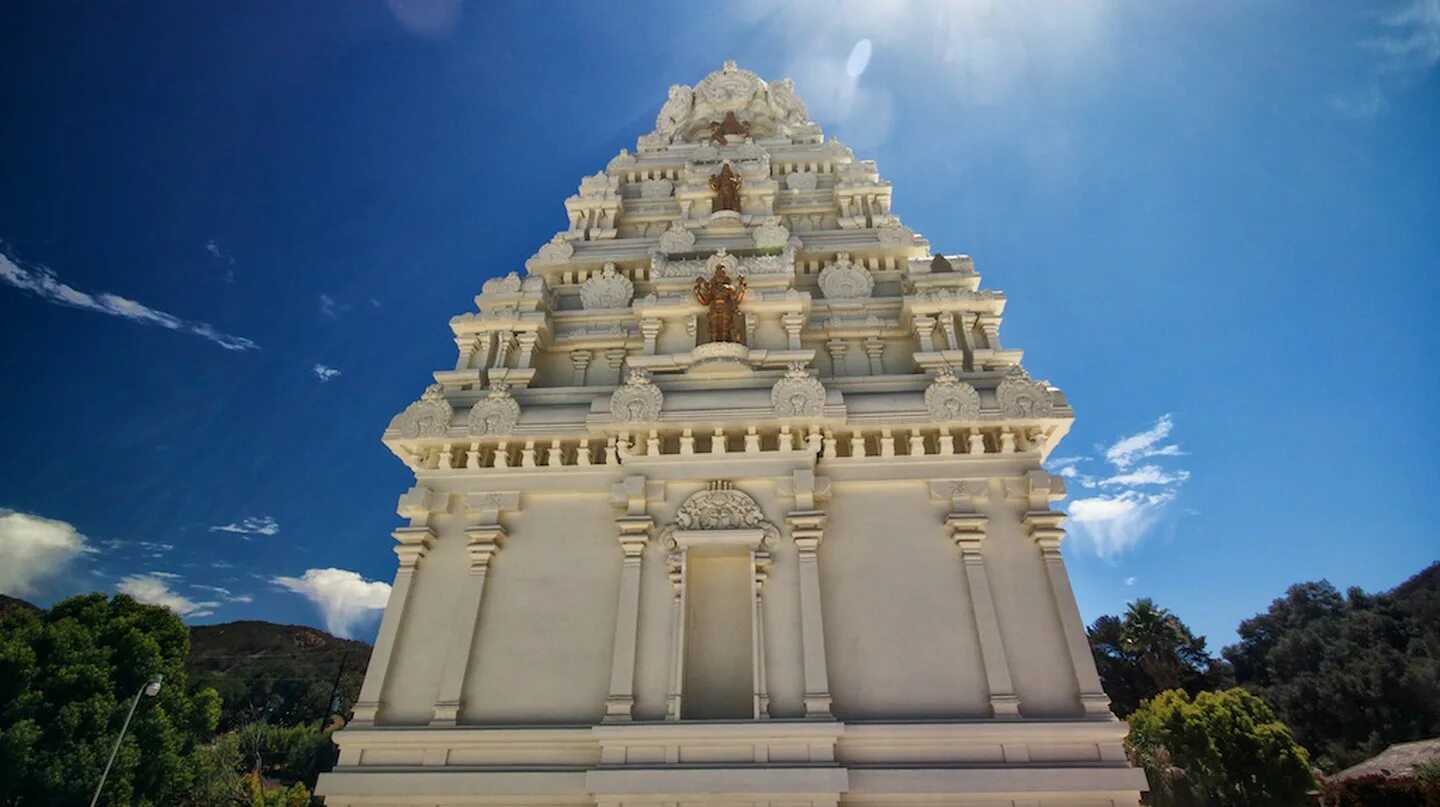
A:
(154, 589)
(1129, 581)
(1406, 45)
(330, 308)
(223, 255)
(1131, 500)
(345, 599)
(324, 372)
(45, 284)
(222, 592)
(252, 525)
(35, 548)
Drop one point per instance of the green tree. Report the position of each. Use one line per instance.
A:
(1219, 748)
(1148, 651)
(67, 676)
(1351, 673)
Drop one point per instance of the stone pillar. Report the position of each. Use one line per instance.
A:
(875, 350)
(837, 348)
(807, 528)
(486, 538)
(634, 532)
(414, 542)
(925, 332)
(1044, 525)
(760, 571)
(675, 569)
(792, 322)
(650, 329)
(990, 326)
(947, 327)
(580, 360)
(468, 345)
(502, 349)
(527, 340)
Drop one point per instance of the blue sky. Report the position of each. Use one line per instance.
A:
(234, 234)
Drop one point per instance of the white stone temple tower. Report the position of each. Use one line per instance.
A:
(644, 563)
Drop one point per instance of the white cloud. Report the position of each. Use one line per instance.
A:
(1412, 37)
(345, 599)
(253, 525)
(224, 256)
(1125, 451)
(330, 308)
(324, 372)
(1129, 581)
(1361, 104)
(154, 589)
(1131, 501)
(34, 548)
(223, 593)
(1114, 524)
(45, 284)
(1146, 475)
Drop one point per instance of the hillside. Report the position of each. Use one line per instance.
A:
(282, 674)
(8, 604)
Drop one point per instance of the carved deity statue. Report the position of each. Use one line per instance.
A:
(729, 125)
(723, 297)
(727, 185)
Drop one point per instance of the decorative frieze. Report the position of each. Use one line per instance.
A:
(494, 415)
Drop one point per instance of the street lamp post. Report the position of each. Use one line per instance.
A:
(150, 689)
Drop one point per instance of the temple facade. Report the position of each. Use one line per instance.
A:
(733, 497)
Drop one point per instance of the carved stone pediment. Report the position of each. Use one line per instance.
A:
(801, 181)
(506, 284)
(798, 394)
(843, 280)
(677, 239)
(656, 189)
(720, 507)
(1022, 397)
(771, 235)
(495, 415)
(609, 289)
(771, 108)
(638, 400)
(949, 398)
(428, 417)
(895, 234)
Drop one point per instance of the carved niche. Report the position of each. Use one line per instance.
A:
(798, 394)
(1022, 397)
(771, 235)
(720, 507)
(494, 415)
(843, 280)
(428, 417)
(609, 289)
(949, 398)
(638, 401)
(677, 239)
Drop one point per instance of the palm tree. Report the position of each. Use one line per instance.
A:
(1153, 636)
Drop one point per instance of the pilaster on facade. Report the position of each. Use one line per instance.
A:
(967, 528)
(484, 537)
(807, 530)
(1044, 524)
(412, 543)
(634, 529)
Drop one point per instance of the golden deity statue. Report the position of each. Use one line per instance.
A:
(722, 296)
(727, 185)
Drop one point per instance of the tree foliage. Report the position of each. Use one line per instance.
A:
(1217, 748)
(1349, 674)
(67, 679)
(1148, 651)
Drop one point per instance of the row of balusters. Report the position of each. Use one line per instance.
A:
(828, 443)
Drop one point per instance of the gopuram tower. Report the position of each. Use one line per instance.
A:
(734, 497)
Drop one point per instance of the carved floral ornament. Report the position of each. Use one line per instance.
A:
(801, 181)
(638, 400)
(1021, 397)
(720, 507)
(677, 239)
(843, 280)
(495, 415)
(798, 394)
(771, 235)
(428, 417)
(609, 289)
(557, 250)
(949, 398)
(895, 234)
